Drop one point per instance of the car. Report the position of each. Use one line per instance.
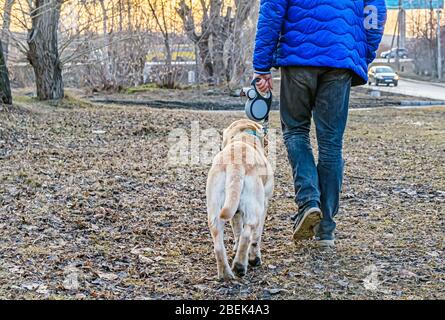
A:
(403, 53)
(383, 75)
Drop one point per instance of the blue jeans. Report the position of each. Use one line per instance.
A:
(321, 93)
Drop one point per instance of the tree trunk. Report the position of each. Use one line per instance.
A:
(241, 42)
(5, 89)
(218, 59)
(5, 28)
(202, 41)
(169, 79)
(206, 58)
(43, 51)
(220, 42)
(129, 13)
(107, 45)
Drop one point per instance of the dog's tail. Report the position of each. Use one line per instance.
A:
(234, 186)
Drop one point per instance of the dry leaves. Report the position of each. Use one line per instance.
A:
(89, 210)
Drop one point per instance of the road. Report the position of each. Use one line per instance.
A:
(417, 89)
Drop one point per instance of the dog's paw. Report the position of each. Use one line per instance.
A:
(226, 276)
(255, 262)
(239, 269)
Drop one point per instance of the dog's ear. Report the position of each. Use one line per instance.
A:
(261, 134)
(226, 137)
(259, 127)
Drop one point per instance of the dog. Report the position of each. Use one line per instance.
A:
(239, 186)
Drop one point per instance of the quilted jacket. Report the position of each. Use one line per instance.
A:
(319, 33)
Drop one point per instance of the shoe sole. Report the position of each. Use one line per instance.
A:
(305, 229)
(326, 244)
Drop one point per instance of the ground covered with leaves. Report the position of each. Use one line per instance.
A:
(91, 209)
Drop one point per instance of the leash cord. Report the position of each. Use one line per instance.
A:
(266, 125)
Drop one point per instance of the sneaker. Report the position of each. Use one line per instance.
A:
(305, 221)
(324, 241)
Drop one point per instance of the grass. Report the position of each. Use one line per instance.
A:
(152, 87)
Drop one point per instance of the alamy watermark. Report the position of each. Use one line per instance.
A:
(371, 20)
(198, 147)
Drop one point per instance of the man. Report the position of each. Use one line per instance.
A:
(323, 48)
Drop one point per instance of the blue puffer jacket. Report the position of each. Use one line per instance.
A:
(319, 33)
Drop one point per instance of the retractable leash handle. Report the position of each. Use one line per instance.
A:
(257, 106)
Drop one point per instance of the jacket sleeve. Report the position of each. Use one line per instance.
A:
(270, 22)
(374, 29)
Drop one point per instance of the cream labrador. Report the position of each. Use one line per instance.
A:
(239, 187)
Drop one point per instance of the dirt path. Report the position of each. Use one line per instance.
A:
(219, 99)
(90, 209)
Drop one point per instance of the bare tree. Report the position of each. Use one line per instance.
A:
(159, 14)
(5, 89)
(219, 41)
(202, 39)
(6, 25)
(43, 53)
(109, 47)
(241, 42)
(107, 41)
(165, 22)
(105, 44)
(222, 26)
(423, 46)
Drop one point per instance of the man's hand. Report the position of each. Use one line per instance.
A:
(266, 82)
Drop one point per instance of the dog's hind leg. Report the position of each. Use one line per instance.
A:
(255, 246)
(237, 227)
(241, 258)
(252, 205)
(217, 231)
(215, 200)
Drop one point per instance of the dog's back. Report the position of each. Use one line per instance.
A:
(239, 186)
